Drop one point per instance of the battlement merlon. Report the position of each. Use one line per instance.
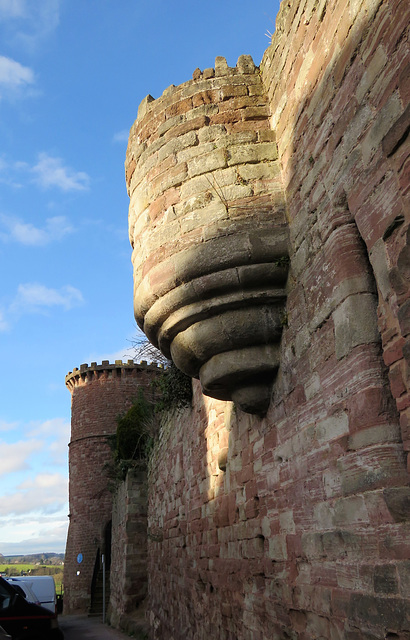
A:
(85, 372)
(245, 65)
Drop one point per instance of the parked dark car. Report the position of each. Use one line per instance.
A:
(4, 635)
(23, 620)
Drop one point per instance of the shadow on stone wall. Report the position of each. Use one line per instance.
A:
(302, 533)
(339, 105)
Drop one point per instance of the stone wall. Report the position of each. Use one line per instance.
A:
(337, 77)
(297, 538)
(129, 566)
(100, 393)
(293, 525)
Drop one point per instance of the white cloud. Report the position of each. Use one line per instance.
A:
(25, 534)
(42, 17)
(4, 325)
(13, 73)
(121, 136)
(59, 449)
(7, 171)
(33, 297)
(21, 165)
(34, 488)
(14, 77)
(45, 493)
(30, 21)
(7, 426)
(51, 427)
(12, 9)
(14, 456)
(59, 429)
(26, 233)
(33, 516)
(50, 172)
(46, 481)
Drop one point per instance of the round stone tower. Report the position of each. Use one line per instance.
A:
(209, 231)
(99, 394)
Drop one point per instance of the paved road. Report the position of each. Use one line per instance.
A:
(84, 628)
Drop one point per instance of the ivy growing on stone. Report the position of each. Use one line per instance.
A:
(134, 438)
(137, 429)
(174, 389)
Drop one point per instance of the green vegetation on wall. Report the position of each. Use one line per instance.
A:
(133, 430)
(174, 389)
(133, 438)
(138, 427)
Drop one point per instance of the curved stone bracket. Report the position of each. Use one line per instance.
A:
(209, 232)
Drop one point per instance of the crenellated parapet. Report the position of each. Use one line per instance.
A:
(208, 228)
(86, 373)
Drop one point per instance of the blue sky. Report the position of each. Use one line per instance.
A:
(72, 74)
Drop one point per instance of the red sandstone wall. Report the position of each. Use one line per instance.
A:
(338, 80)
(99, 394)
(129, 569)
(306, 534)
(294, 540)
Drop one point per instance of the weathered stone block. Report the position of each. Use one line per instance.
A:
(378, 260)
(398, 502)
(374, 435)
(332, 428)
(385, 579)
(207, 162)
(349, 511)
(403, 569)
(355, 323)
(372, 468)
(383, 613)
(277, 548)
(263, 152)
(385, 119)
(404, 318)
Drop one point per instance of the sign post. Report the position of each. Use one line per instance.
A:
(103, 568)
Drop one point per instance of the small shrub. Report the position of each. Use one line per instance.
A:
(174, 389)
(133, 432)
(283, 261)
(133, 440)
(137, 428)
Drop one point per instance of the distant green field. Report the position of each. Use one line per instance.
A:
(16, 569)
(35, 570)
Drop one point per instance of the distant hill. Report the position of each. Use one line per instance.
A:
(35, 558)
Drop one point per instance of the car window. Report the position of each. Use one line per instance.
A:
(19, 590)
(5, 597)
